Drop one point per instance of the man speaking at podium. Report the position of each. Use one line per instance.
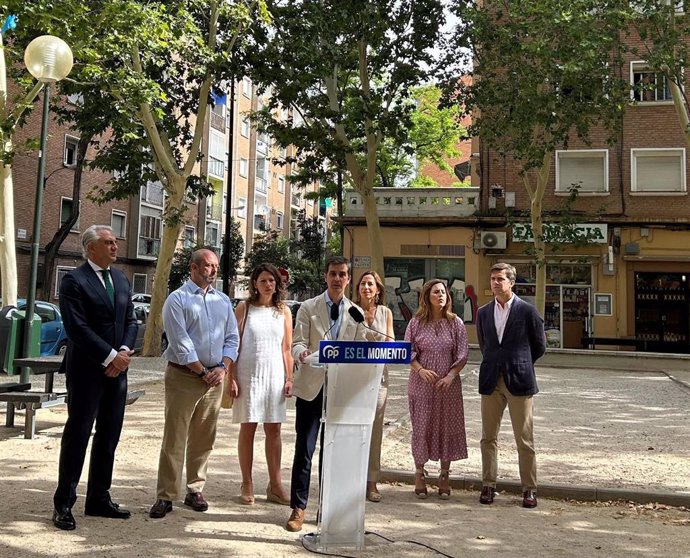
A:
(322, 317)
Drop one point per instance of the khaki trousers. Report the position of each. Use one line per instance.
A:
(191, 418)
(377, 431)
(520, 409)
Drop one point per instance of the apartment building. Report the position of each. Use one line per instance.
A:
(248, 167)
(261, 195)
(628, 287)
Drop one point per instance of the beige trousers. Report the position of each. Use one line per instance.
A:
(377, 431)
(520, 409)
(191, 418)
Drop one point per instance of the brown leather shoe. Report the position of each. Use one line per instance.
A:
(196, 501)
(160, 508)
(296, 520)
(487, 495)
(529, 499)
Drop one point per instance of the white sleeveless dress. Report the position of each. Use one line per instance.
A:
(260, 368)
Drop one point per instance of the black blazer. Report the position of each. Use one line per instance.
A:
(93, 326)
(523, 343)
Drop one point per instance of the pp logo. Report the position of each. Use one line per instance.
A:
(329, 351)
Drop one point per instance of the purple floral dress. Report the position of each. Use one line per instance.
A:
(438, 417)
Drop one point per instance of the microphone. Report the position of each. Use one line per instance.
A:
(312, 359)
(358, 317)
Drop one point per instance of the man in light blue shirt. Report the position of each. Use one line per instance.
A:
(202, 343)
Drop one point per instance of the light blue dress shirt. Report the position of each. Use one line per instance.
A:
(200, 326)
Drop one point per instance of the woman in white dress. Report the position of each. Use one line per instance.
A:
(264, 378)
(371, 297)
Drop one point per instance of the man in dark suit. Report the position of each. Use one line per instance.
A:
(97, 310)
(511, 337)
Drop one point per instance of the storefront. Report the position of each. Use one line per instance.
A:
(567, 315)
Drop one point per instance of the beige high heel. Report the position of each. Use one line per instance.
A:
(444, 484)
(420, 479)
(247, 494)
(275, 498)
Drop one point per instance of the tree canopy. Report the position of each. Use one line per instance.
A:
(345, 72)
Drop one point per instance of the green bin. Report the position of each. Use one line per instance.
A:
(12, 338)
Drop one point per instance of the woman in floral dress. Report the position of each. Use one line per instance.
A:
(439, 353)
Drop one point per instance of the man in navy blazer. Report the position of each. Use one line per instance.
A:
(98, 314)
(511, 338)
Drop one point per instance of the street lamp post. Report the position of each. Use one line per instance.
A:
(48, 59)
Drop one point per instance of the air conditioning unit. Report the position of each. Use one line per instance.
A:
(490, 240)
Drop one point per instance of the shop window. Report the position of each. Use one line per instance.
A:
(585, 170)
(658, 170)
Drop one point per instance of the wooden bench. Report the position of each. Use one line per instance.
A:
(592, 342)
(31, 401)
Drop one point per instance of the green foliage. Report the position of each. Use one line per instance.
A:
(346, 70)
(179, 272)
(543, 71)
(268, 247)
(303, 256)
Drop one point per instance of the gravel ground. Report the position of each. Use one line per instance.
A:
(596, 427)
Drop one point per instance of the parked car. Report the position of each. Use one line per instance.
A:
(141, 297)
(141, 313)
(53, 334)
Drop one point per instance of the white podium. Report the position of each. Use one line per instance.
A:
(351, 392)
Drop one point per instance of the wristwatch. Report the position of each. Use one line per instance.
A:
(203, 372)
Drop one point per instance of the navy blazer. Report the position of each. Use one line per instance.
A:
(94, 327)
(523, 343)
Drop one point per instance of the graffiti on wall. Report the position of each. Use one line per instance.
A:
(402, 297)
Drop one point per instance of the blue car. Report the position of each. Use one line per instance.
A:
(53, 335)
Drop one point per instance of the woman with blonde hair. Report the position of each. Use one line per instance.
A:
(371, 298)
(439, 353)
(264, 378)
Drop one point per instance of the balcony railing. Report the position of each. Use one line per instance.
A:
(216, 167)
(217, 122)
(417, 202)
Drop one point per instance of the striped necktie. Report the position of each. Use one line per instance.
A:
(108, 286)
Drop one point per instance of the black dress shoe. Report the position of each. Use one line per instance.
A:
(196, 501)
(107, 509)
(529, 499)
(160, 508)
(63, 519)
(487, 495)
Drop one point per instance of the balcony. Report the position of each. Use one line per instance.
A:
(417, 202)
(217, 121)
(216, 167)
(214, 211)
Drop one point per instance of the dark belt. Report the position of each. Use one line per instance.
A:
(182, 367)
